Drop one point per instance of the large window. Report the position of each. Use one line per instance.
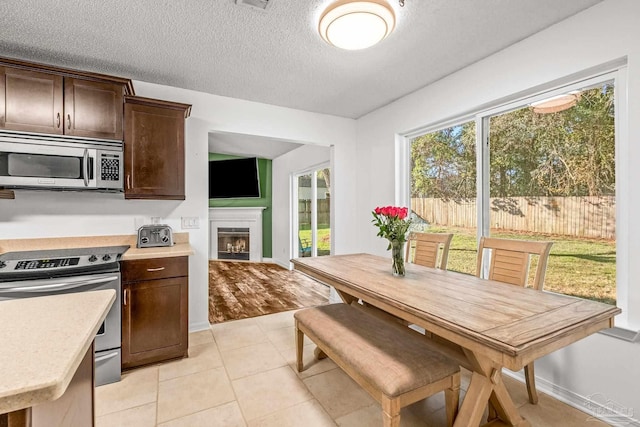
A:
(546, 170)
(552, 177)
(443, 189)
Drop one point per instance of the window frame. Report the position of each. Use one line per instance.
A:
(616, 73)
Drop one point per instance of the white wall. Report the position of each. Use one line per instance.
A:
(292, 162)
(603, 33)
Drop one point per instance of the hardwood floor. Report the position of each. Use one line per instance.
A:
(238, 290)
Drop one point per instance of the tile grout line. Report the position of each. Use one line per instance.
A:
(157, 396)
(233, 389)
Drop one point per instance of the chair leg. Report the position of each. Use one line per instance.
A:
(530, 376)
(299, 347)
(390, 412)
(452, 399)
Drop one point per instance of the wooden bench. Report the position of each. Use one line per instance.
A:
(389, 361)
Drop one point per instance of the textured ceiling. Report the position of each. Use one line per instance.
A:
(275, 57)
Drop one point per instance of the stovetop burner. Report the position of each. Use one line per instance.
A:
(56, 262)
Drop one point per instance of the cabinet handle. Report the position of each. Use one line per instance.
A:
(68, 121)
(128, 182)
(155, 269)
(58, 120)
(125, 297)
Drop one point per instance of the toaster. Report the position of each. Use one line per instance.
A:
(151, 236)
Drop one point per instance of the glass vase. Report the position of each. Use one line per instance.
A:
(397, 256)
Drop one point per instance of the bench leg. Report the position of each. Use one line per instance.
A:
(390, 412)
(299, 347)
(452, 398)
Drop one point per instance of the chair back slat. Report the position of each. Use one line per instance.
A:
(510, 260)
(424, 249)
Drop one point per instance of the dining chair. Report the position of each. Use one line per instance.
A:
(424, 249)
(509, 263)
(304, 247)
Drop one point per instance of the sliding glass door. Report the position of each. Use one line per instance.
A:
(312, 204)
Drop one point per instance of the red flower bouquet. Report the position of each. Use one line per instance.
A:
(393, 224)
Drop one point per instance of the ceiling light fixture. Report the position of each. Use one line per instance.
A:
(353, 25)
(556, 103)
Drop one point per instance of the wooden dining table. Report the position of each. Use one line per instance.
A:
(486, 325)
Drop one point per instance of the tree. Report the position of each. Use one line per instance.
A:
(443, 163)
(567, 153)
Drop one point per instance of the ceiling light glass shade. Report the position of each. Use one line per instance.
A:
(354, 25)
(556, 104)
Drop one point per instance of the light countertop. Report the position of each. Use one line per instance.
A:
(181, 245)
(44, 339)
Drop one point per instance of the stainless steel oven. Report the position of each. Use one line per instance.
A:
(53, 162)
(49, 272)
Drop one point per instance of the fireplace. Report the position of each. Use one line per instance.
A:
(235, 233)
(233, 243)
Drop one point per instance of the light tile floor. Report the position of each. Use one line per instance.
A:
(242, 373)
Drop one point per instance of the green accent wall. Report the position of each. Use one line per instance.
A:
(265, 176)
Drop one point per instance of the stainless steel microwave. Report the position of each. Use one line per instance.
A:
(60, 163)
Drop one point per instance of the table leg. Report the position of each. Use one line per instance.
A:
(346, 298)
(475, 400)
(319, 354)
(486, 386)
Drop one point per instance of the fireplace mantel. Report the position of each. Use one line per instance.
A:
(250, 217)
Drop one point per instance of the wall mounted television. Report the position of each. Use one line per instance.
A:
(234, 178)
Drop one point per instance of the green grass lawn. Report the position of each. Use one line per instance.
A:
(584, 268)
(324, 239)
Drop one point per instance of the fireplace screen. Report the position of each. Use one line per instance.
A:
(233, 243)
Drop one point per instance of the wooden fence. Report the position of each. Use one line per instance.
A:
(593, 217)
(304, 211)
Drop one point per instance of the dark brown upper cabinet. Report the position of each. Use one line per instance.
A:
(45, 99)
(154, 148)
(93, 109)
(32, 101)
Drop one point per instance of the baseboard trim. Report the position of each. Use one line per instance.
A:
(596, 405)
(282, 264)
(201, 326)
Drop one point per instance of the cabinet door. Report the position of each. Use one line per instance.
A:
(154, 152)
(30, 101)
(76, 406)
(154, 321)
(93, 109)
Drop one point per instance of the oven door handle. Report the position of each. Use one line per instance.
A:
(106, 357)
(59, 286)
(85, 164)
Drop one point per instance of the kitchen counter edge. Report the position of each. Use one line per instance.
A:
(181, 245)
(44, 363)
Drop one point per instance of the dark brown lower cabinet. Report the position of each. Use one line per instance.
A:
(154, 310)
(74, 408)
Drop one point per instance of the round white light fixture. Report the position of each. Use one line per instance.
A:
(354, 25)
(556, 104)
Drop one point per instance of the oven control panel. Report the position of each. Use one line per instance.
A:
(46, 263)
(58, 260)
